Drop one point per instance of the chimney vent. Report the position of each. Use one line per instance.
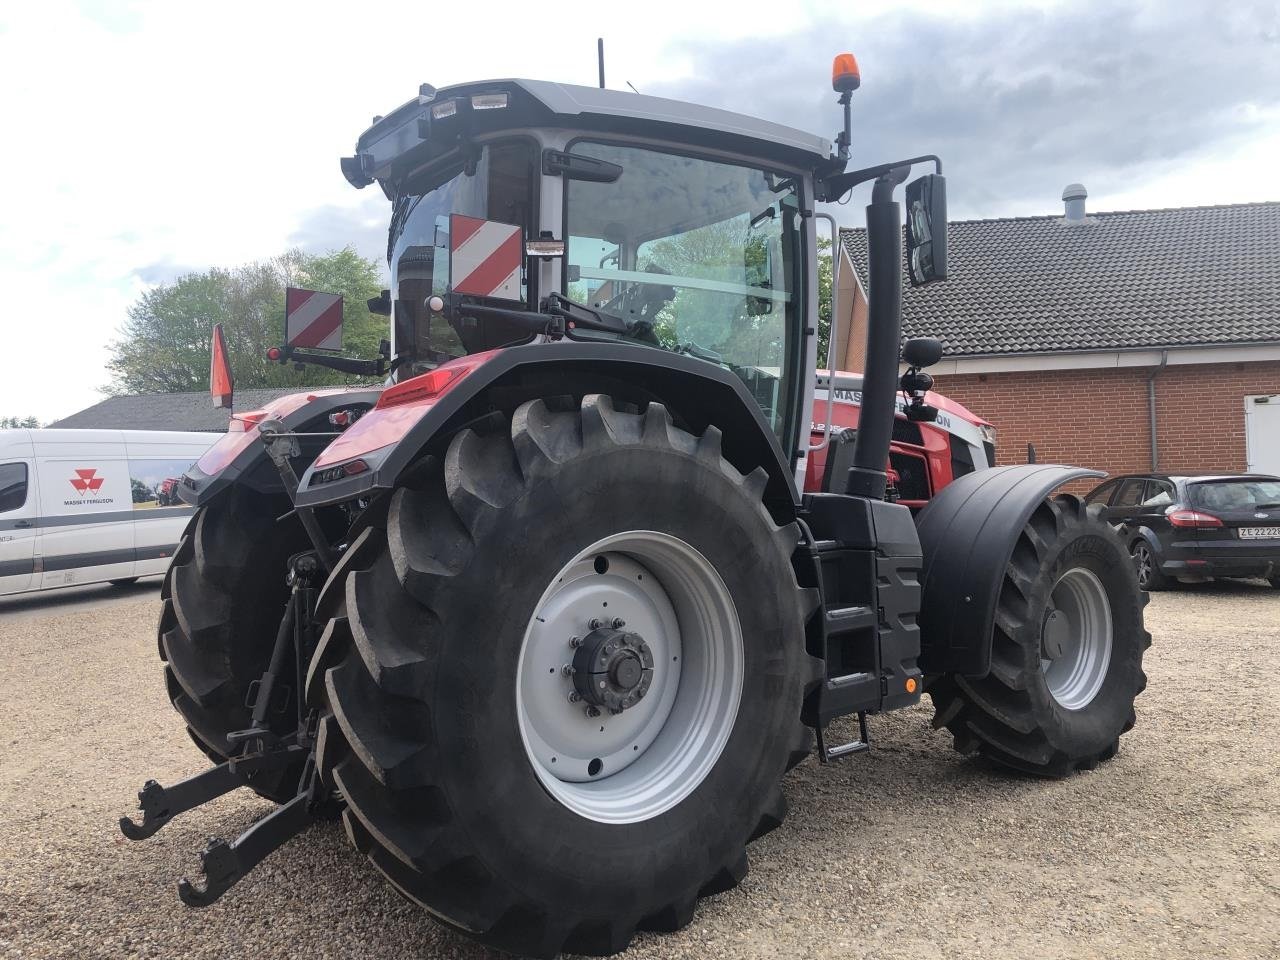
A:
(1073, 195)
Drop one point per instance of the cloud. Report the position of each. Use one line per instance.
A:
(1019, 102)
(162, 271)
(332, 227)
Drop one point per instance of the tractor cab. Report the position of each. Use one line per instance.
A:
(523, 210)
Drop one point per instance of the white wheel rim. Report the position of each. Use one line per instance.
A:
(1075, 676)
(640, 763)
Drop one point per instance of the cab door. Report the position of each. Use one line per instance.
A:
(18, 517)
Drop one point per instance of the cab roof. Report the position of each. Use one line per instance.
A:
(409, 135)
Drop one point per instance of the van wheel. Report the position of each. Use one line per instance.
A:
(223, 597)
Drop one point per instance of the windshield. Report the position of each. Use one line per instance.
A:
(1236, 494)
(496, 184)
(697, 257)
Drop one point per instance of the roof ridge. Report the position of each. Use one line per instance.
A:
(1098, 213)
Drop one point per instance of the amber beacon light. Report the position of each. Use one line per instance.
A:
(845, 76)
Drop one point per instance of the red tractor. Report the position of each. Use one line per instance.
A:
(547, 618)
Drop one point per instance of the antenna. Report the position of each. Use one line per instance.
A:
(632, 86)
(600, 58)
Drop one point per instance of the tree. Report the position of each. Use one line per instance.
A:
(164, 344)
(18, 423)
(824, 300)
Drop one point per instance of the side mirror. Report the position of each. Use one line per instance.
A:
(927, 229)
(381, 304)
(922, 351)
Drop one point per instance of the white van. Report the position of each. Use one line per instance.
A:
(87, 506)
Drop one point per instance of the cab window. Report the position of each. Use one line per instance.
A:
(13, 486)
(694, 256)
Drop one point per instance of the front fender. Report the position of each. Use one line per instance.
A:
(967, 534)
(240, 457)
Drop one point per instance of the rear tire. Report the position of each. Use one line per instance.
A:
(424, 711)
(223, 598)
(1066, 659)
(1147, 567)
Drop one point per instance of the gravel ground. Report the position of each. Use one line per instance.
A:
(1170, 850)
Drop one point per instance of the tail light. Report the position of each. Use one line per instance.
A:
(1192, 518)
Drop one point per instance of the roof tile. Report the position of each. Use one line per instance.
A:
(1185, 276)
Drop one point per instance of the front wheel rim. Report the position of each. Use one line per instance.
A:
(1084, 640)
(636, 764)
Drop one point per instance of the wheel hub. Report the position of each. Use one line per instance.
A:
(612, 668)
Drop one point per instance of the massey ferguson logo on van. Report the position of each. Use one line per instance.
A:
(87, 483)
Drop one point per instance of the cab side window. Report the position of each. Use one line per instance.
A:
(13, 486)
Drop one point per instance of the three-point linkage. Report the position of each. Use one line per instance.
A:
(259, 749)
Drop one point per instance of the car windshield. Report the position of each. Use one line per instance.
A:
(496, 184)
(695, 256)
(1236, 494)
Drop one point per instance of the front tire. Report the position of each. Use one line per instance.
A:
(447, 724)
(1066, 659)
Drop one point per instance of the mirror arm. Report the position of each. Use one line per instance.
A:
(834, 187)
(353, 365)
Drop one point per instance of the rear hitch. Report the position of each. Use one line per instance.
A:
(225, 864)
(160, 804)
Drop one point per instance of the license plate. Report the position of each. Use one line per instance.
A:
(1260, 533)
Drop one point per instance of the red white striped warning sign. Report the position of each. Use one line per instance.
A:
(312, 319)
(484, 257)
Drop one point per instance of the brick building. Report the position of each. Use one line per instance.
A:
(1130, 341)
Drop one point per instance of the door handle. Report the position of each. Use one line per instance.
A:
(21, 524)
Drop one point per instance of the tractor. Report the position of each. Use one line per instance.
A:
(547, 617)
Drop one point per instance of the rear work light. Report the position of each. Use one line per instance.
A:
(489, 101)
(1193, 518)
(441, 111)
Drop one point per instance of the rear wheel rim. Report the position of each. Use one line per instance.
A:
(1085, 641)
(634, 765)
(1142, 557)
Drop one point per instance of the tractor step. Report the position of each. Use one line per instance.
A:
(827, 753)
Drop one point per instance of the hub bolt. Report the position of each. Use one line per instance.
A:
(596, 623)
(618, 623)
(567, 669)
(575, 642)
(574, 696)
(593, 712)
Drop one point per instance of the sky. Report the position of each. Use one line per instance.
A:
(142, 140)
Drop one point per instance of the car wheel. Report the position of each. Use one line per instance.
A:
(1149, 575)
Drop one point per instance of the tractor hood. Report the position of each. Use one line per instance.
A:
(439, 121)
